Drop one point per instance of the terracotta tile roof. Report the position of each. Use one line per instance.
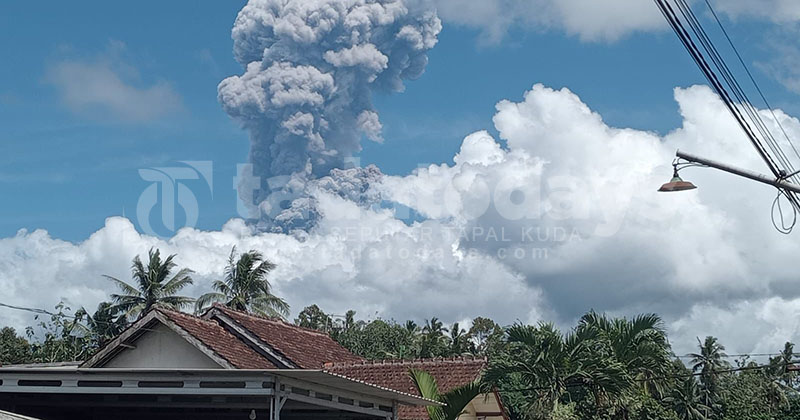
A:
(393, 374)
(311, 349)
(223, 343)
(307, 348)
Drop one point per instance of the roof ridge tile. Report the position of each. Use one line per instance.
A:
(303, 347)
(269, 319)
(463, 359)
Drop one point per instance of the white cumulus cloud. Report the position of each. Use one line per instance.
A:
(594, 20)
(780, 11)
(583, 194)
(562, 219)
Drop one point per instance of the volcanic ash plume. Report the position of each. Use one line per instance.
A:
(310, 68)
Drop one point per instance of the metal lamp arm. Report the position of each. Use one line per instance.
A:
(755, 176)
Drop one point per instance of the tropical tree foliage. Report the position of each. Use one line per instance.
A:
(639, 345)
(459, 340)
(781, 365)
(152, 285)
(106, 323)
(58, 338)
(601, 362)
(433, 340)
(377, 340)
(454, 400)
(603, 368)
(753, 393)
(14, 349)
(485, 336)
(61, 336)
(709, 362)
(687, 400)
(313, 317)
(245, 287)
(389, 339)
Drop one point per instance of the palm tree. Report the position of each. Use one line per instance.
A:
(105, 324)
(598, 371)
(709, 362)
(686, 401)
(455, 400)
(605, 357)
(544, 360)
(459, 340)
(781, 363)
(245, 287)
(434, 327)
(639, 344)
(350, 322)
(433, 339)
(152, 286)
(711, 357)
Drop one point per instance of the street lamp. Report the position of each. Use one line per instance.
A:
(685, 159)
(780, 181)
(676, 183)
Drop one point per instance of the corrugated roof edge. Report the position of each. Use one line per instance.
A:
(9, 415)
(383, 388)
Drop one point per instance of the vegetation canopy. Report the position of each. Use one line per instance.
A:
(603, 368)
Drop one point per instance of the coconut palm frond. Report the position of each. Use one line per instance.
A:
(151, 286)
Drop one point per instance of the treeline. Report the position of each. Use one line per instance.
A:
(388, 339)
(61, 336)
(603, 368)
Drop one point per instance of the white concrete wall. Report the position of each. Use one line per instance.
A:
(162, 348)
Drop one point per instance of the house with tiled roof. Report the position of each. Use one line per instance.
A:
(230, 364)
(290, 345)
(449, 373)
(220, 338)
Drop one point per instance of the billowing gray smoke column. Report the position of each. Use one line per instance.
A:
(310, 69)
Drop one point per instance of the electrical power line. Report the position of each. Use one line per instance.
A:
(694, 51)
(731, 356)
(730, 79)
(752, 79)
(33, 310)
(39, 311)
(699, 45)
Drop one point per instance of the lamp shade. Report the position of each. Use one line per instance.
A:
(677, 184)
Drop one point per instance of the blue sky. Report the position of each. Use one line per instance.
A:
(66, 171)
